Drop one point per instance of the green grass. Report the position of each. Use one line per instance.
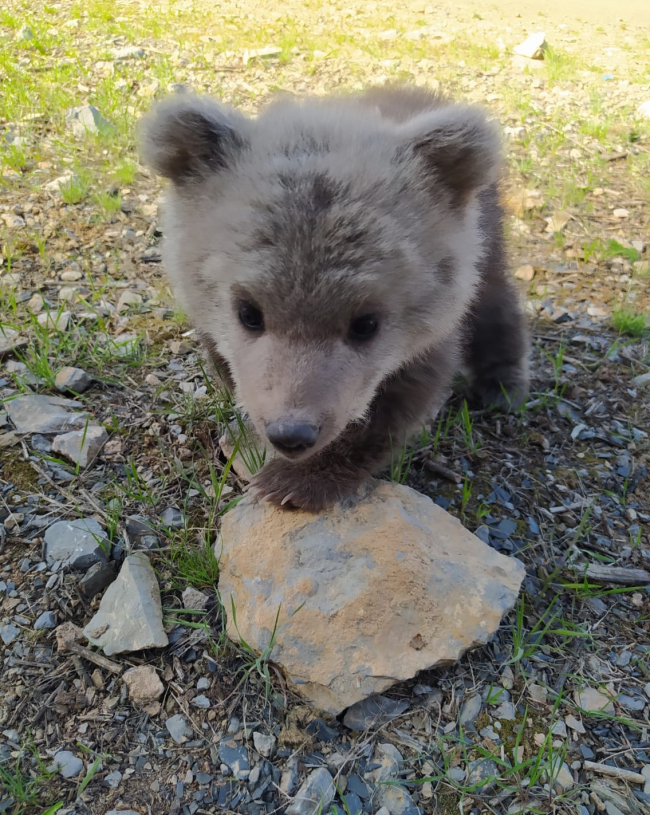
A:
(630, 323)
(24, 784)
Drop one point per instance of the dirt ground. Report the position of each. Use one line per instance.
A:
(562, 485)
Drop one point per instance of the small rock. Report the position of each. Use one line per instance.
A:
(76, 544)
(470, 710)
(44, 414)
(87, 119)
(203, 683)
(122, 812)
(24, 34)
(58, 321)
(127, 300)
(81, 446)
(70, 275)
(315, 795)
(46, 620)
(559, 729)
(505, 712)
(482, 774)
(560, 775)
(67, 632)
(389, 759)
(75, 380)
(235, 756)
(8, 633)
(97, 578)
(264, 744)
(644, 109)
(457, 774)
(180, 348)
(66, 764)
(395, 798)
(143, 684)
(201, 702)
(194, 599)
(349, 553)
(621, 213)
(532, 47)
(645, 772)
(642, 380)
(178, 728)
(113, 780)
(631, 702)
(538, 693)
(10, 340)
(129, 52)
(173, 518)
(591, 699)
(130, 613)
(526, 273)
(373, 712)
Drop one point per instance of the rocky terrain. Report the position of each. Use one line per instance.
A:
(119, 688)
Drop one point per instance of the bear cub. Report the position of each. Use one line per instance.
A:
(342, 258)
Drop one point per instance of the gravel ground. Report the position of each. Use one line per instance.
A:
(550, 717)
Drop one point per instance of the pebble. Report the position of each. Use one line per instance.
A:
(66, 764)
(81, 446)
(264, 744)
(482, 772)
(77, 544)
(559, 729)
(194, 599)
(396, 799)
(97, 578)
(113, 780)
(201, 702)
(87, 119)
(315, 795)
(45, 414)
(46, 620)
(173, 518)
(129, 52)
(8, 633)
(72, 379)
(457, 774)
(235, 756)
(470, 710)
(592, 699)
(203, 683)
(143, 684)
(505, 711)
(575, 724)
(373, 712)
(631, 702)
(52, 321)
(178, 728)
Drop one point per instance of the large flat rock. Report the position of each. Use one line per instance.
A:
(369, 593)
(45, 414)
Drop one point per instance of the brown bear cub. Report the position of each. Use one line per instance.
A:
(342, 258)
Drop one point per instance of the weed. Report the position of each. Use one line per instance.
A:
(629, 322)
(108, 203)
(22, 786)
(76, 188)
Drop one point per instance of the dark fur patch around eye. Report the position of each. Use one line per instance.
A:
(447, 270)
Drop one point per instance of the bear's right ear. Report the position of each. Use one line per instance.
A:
(186, 138)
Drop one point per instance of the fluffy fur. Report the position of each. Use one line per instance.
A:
(322, 211)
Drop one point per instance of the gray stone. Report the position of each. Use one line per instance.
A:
(194, 599)
(559, 729)
(72, 379)
(130, 613)
(66, 764)
(81, 446)
(457, 774)
(178, 728)
(235, 756)
(560, 775)
(44, 414)
(121, 811)
(10, 340)
(41, 444)
(358, 611)
(87, 119)
(631, 702)
(505, 711)
(129, 52)
(264, 744)
(470, 710)
(203, 683)
(97, 578)
(173, 518)
(46, 620)
(77, 544)
(113, 780)
(642, 380)
(24, 34)
(373, 712)
(201, 701)
(482, 774)
(395, 798)
(387, 761)
(592, 699)
(8, 633)
(315, 795)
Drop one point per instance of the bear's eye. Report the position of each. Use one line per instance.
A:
(251, 317)
(363, 328)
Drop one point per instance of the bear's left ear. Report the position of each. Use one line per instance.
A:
(188, 137)
(458, 146)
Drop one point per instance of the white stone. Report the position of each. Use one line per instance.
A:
(369, 594)
(532, 47)
(130, 613)
(54, 321)
(87, 119)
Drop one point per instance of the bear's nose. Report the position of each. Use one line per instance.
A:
(292, 437)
